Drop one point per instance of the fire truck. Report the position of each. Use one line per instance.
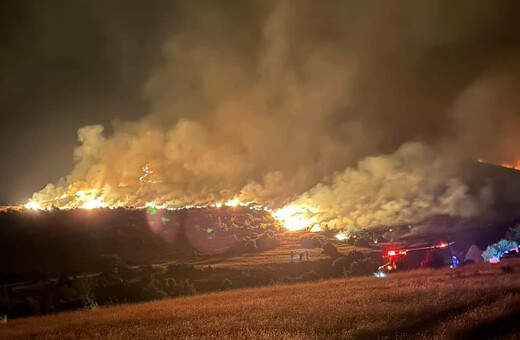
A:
(431, 256)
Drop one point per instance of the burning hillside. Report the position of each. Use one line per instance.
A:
(406, 186)
(321, 130)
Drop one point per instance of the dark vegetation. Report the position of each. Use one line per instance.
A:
(481, 301)
(37, 245)
(63, 260)
(123, 284)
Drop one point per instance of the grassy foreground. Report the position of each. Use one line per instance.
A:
(475, 302)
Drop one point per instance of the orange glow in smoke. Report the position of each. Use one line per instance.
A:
(515, 165)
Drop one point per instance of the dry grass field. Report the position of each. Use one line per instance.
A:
(474, 302)
(289, 242)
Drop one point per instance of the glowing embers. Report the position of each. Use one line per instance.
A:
(150, 175)
(295, 218)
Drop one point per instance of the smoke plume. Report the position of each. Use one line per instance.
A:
(355, 108)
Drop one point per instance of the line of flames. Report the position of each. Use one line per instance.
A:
(291, 217)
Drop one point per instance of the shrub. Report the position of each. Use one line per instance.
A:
(111, 261)
(310, 241)
(246, 245)
(91, 305)
(343, 264)
(361, 242)
(185, 288)
(330, 250)
(340, 265)
(354, 256)
(363, 267)
(497, 250)
(84, 288)
(151, 289)
(226, 284)
(33, 305)
(266, 241)
(309, 276)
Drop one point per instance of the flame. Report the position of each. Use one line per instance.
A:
(315, 228)
(341, 237)
(93, 203)
(90, 199)
(515, 165)
(32, 205)
(291, 217)
(232, 203)
(295, 218)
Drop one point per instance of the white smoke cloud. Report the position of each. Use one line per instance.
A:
(405, 186)
(264, 101)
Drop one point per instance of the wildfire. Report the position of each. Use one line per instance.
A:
(515, 165)
(315, 228)
(291, 217)
(341, 237)
(505, 164)
(295, 218)
(148, 175)
(77, 196)
(33, 206)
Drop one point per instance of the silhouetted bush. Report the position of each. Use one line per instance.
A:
(330, 250)
(340, 265)
(309, 276)
(226, 284)
(311, 241)
(152, 290)
(267, 241)
(355, 255)
(363, 267)
(362, 242)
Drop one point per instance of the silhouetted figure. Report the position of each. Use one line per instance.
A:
(292, 256)
(301, 256)
(307, 255)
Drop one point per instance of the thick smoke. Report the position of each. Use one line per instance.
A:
(264, 101)
(408, 185)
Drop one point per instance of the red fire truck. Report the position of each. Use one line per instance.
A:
(432, 256)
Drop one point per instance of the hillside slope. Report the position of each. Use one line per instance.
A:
(479, 301)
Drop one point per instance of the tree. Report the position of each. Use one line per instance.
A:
(497, 250)
(330, 250)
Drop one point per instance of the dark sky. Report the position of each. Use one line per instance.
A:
(65, 64)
